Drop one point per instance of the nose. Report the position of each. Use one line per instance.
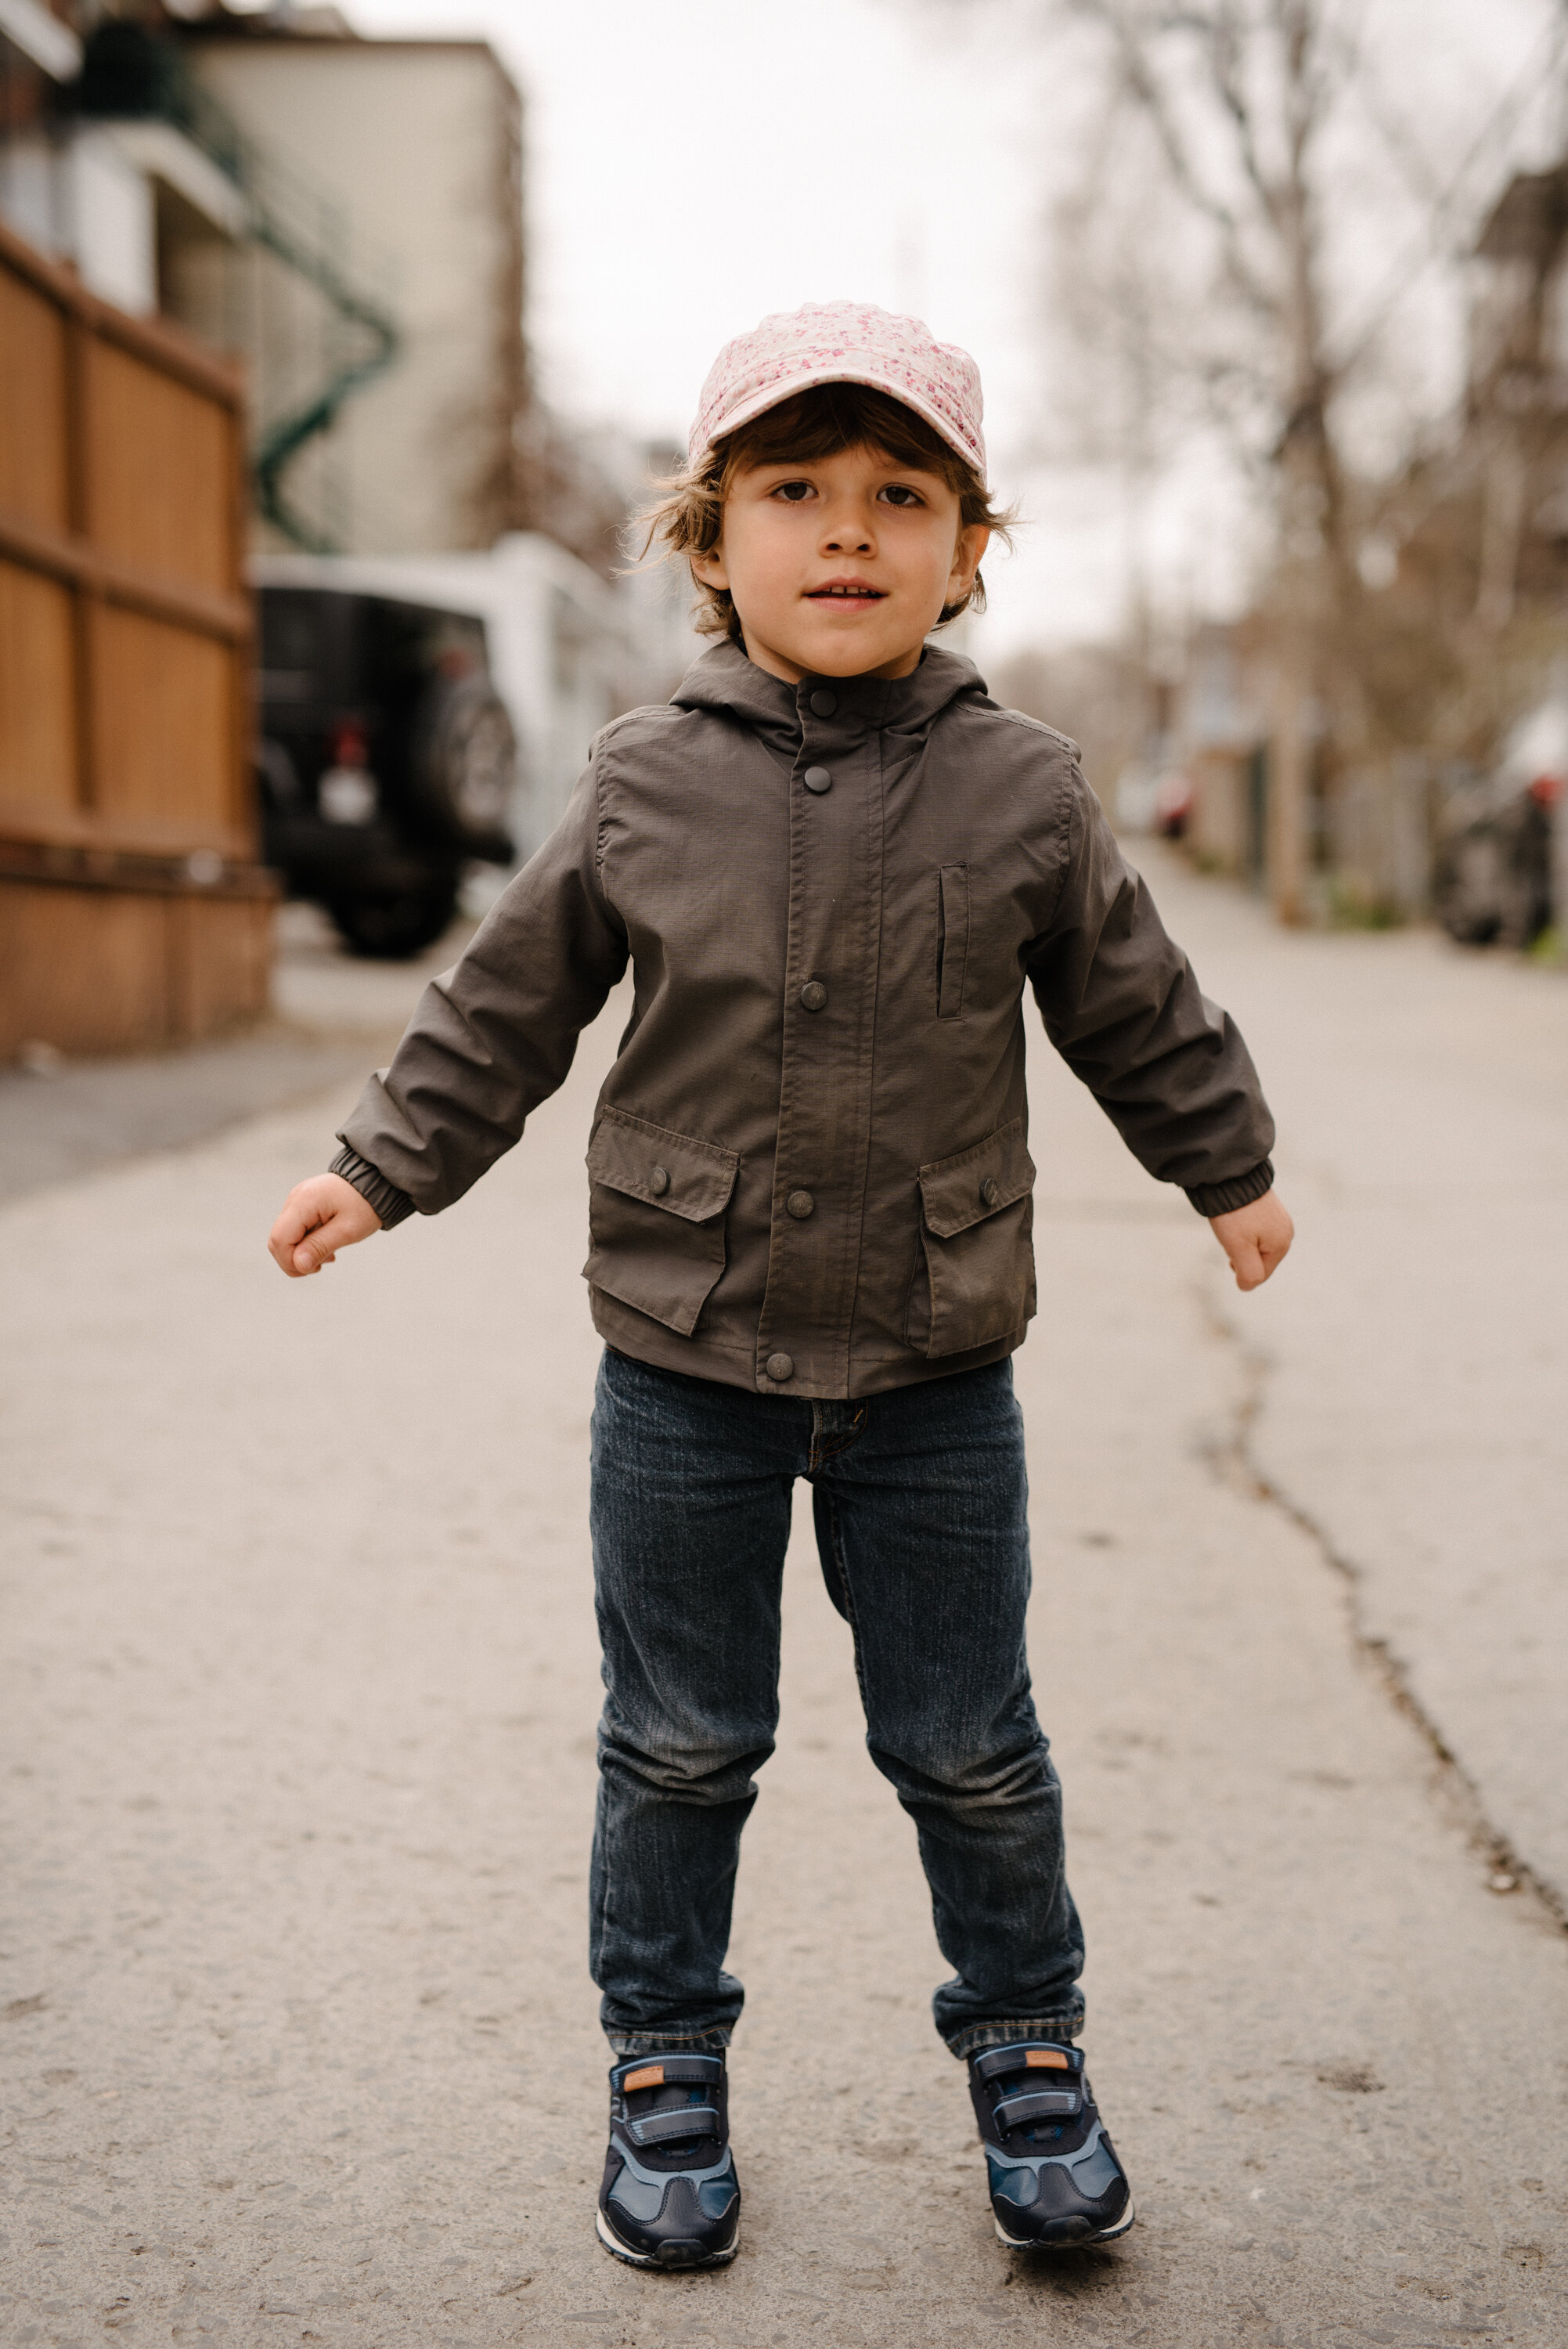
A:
(847, 530)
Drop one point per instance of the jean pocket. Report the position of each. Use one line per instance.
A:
(656, 1217)
(975, 1280)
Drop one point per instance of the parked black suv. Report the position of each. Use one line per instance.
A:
(386, 761)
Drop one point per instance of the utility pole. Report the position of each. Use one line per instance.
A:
(1298, 615)
(1308, 484)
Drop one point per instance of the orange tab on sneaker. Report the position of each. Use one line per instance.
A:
(652, 2075)
(1038, 2059)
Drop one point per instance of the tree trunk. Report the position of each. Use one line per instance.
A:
(1503, 528)
(1290, 767)
(1311, 508)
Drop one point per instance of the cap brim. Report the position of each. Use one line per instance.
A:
(811, 379)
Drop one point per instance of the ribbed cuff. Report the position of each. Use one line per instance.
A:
(1224, 1198)
(391, 1204)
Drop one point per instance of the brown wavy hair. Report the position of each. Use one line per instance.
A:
(688, 516)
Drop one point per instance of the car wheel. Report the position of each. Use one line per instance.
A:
(392, 925)
(465, 755)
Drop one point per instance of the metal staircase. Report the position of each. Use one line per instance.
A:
(130, 74)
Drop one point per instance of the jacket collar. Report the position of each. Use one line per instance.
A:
(724, 680)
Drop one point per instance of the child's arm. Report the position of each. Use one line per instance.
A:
(490, 1040)
(1122, 1006)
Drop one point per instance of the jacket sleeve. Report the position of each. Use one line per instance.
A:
(495, 1035)
(1121, 1005)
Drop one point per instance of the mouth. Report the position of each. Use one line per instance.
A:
(846, 591)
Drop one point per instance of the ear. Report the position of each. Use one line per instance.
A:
(968, 556)
(709, 570)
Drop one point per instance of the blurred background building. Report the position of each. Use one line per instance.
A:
(328, 234)
(345, 217)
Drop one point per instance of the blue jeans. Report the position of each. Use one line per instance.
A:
(920, 1499)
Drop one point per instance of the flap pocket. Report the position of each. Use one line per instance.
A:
(672, 1171)
(965, 1189)
(656, 1217)
(975, 1280)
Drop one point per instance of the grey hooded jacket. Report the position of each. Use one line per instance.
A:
(808, 1167)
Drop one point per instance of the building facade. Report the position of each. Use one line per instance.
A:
(396, 167)
(344, 215)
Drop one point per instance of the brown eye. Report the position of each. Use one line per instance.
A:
(793, 492)
(898, 493)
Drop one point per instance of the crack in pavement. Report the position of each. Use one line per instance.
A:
(1232, 1461)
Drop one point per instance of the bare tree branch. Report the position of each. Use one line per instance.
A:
(1444, 233)
(1223, 49)
(1135, 62)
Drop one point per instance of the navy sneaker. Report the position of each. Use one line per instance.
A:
(670, 2197)
(1056, 2182)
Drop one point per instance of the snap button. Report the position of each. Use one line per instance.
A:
(990, 1191)
(658, 1182)
(799, 1204)
(813, 996)
(817, 779)
(780, 1367)
(823, 703)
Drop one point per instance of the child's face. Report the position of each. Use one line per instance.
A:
(840, 565)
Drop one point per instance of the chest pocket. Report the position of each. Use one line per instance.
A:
(656, 1217)
(975, 1280)
(952, 939)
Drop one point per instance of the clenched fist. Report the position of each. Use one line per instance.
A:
(318, 1218)
(1257, 1238)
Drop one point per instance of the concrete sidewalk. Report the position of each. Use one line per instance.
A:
(300, 1699)
(1411, 1375)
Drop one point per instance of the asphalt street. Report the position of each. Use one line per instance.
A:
(331, 1018)
(301, 1681)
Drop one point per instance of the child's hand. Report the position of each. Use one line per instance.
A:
(334, 1214)
(1257, 1238)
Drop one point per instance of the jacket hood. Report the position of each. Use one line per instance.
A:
(724, 680)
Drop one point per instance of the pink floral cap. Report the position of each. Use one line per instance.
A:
(843, 342)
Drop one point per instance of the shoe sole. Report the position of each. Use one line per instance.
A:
(644, 2259)
(1076, 2243)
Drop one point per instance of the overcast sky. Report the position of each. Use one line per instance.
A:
(693, 164)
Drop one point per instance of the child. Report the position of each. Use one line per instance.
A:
(833, 864)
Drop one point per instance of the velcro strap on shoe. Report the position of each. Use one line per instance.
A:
(658, 2071)
(1026, 2057)
(1036, 2105)
(686, 2120)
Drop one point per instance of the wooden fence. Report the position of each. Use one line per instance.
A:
(132, 908)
